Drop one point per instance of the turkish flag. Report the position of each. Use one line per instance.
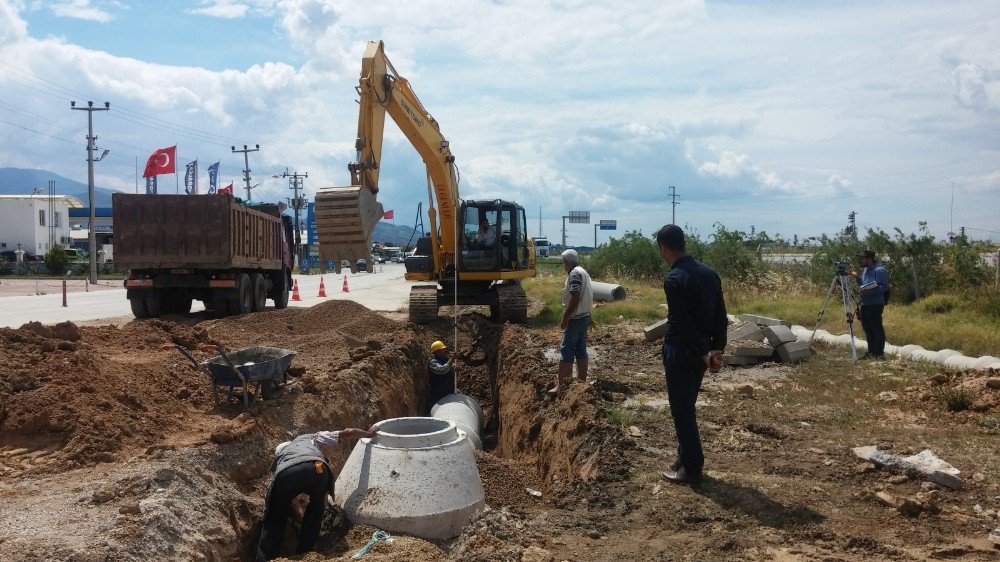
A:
(161, 162)
(387, 215)
(228, 190)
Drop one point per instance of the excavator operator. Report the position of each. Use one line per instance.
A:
(486, 238)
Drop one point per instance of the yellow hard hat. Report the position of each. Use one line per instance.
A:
(437, 346)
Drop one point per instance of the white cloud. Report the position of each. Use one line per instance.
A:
(224, 9)
(12, 27)
(976, 88)
(84, 10)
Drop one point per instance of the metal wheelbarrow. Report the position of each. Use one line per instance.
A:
(260, 366)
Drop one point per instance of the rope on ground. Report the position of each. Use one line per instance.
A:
(376, 537)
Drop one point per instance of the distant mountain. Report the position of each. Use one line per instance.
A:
(387, 233)
(21, 181)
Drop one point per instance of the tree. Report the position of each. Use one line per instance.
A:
(56, 260)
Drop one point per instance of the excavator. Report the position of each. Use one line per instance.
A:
(476, 253)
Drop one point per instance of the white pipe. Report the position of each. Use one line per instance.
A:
(608, 292)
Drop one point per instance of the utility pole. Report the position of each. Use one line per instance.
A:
(297, 203)
(91, 237)
(540, 222)
(673, 202)
(246, 164)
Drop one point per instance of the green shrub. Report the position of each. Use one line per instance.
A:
(954, 399)
(939, 303)
(56, 260)
(633, 255)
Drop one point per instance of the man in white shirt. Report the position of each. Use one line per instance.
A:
(487, 235)
(578, 303)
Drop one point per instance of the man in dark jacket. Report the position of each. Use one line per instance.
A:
(300, 467)
(440, 373)
(694, 340)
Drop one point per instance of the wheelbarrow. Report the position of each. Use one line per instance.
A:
(259, 366)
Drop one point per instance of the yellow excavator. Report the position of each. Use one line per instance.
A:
(477, 252)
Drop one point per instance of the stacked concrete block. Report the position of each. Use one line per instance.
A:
(761, 338)
(655, 331)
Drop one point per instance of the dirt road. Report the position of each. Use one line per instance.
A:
(112, 448)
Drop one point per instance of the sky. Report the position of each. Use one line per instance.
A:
(777, 116)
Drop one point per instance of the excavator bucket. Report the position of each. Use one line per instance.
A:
(345, 219)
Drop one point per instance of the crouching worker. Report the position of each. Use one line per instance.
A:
(300, 467)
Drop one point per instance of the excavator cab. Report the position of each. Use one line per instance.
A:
(493, 237)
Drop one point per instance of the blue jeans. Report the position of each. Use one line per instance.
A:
(684, 372)
(574, 343)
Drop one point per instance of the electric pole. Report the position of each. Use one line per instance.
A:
(91, 236)
(673, 203)
(298, 203)
(246, 164)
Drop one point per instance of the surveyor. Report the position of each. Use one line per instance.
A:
(694, 339)
(873, 285)
(441, 373)
(578, 303)
(300, 466)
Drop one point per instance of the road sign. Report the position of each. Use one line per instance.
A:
(609, 225)
(579, 217)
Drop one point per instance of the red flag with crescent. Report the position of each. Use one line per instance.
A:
(228, 190)
(161, 162)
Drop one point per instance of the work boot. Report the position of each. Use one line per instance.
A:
(581, 370)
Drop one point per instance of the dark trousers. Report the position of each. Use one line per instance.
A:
(684, 373)
(439, 387)
(288, 484)
(871, 323)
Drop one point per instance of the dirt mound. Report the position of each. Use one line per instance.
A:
(71, 397)
(974, 390)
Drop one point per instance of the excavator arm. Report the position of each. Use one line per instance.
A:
(346, 216)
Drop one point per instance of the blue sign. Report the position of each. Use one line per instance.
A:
(609, 225)
(311, 236)
(329, 265)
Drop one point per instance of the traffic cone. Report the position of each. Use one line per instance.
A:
(322, 288)
(295, 291)
(345, 289)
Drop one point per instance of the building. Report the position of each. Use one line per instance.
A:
(103, 230)
(35, 222)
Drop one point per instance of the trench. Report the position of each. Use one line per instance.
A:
(554, 438)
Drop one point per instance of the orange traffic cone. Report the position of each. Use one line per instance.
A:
(345, 289)
(295, 291)
(322, 288)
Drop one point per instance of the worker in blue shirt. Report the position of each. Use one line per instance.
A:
(873, 283)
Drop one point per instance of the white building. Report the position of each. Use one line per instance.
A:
(36, 222)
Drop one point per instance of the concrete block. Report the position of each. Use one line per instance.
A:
(793, 352)
(764, 320)
(739, 360)
(749, 331)
(751, 351)
(655, 331)
(777, 335)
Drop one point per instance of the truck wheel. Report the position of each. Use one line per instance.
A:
(280, 290)
(259, 291)
(221, 306)
(139, 307)
(181, 305)
(154, 305)
(244, 292)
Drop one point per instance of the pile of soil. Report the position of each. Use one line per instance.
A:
(72, 396)
(979, 390)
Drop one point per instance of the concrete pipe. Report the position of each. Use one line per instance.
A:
(418, 476)
(985, 361)
(465, 412)
(941, 356)
(923, 355)
(907, 351)
(890, 349)
(608, 291)
(960, 362)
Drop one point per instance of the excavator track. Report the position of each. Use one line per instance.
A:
(513, 303)
(423, 304)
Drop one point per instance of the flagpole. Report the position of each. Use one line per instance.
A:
(177, 182)
(137, 175)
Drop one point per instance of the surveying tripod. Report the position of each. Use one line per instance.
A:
(847, 296)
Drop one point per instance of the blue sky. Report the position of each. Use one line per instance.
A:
(783, 116)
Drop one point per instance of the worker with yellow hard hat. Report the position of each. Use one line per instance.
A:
(441, 373)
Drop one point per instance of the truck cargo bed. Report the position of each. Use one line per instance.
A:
(193, 231)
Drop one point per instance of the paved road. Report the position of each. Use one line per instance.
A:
(384, 290)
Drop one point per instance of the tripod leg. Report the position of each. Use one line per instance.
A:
(822, 310)
(845, 294)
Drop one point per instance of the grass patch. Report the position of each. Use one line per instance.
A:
(620, 417)
(953, 399)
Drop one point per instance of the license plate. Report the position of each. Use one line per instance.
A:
(182, 271)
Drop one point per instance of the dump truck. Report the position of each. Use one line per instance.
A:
(212, 248)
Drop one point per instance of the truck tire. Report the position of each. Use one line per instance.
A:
(154, 304)
(181, 305)
(280, 290)
(222, 306)
(244, 298)
(139, 307)
(259, 292)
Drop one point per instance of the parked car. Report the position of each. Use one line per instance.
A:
(362, 265)
(11, 256)
(77, 255)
